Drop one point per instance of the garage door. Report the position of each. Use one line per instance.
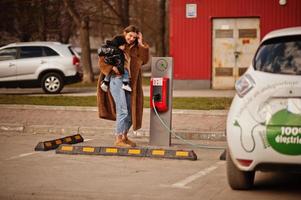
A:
(234, 44)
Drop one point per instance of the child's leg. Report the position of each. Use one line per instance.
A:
(125, 77)
(107, 78)
(126, 80)
(105, 83)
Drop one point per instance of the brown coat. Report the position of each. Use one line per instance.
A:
(106, 106)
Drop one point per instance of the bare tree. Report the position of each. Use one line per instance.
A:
(121, 9)
(28, 20)
(163, 27)
(124, 10)
(57, 20)
(150, 26)
(82, 22)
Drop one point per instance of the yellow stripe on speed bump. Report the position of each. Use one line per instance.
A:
(48, 144)
(182, 153)
(67, 148)
(158, 152)
(88, 149)
(68, 139)
(134, 151)
(111, 150)
(77, 137)
(58, 142)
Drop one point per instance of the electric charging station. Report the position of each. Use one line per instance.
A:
(161, 88)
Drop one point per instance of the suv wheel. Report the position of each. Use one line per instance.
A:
(237, 179)
(52, 83)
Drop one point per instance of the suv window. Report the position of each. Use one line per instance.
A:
(280, 55)
(30, 52)
(8, 54)
(49, 52)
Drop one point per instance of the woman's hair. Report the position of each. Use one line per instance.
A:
(131, 28)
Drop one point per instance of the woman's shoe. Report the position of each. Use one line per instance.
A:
(129, 142)
(122, 143)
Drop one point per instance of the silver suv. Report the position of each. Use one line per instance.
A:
(49, 65)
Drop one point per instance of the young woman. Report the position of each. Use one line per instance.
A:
(120, 105)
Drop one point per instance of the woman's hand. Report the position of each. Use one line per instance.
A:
(140, 39)
(115, 70)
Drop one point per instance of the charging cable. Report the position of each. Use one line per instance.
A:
(179, 137)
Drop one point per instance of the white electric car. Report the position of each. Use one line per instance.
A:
(264, 120)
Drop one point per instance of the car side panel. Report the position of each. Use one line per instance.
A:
(63, 64)
(8, 70)
(27, 67)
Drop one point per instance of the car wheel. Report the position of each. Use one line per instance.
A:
(237, 179)
(52, 83)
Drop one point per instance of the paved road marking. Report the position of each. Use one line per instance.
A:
(32, 153)
(189, 179)
(23, 155)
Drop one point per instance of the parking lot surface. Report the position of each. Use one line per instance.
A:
(28, 174)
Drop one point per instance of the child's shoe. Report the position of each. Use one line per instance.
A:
(104, 87)
(126, 87)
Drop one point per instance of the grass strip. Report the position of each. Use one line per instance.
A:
(189, 103)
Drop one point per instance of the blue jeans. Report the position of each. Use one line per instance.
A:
(125, 77)
(122, 100)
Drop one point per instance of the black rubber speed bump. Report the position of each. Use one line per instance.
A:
(223, 155)
(136, 152)
(53, 144)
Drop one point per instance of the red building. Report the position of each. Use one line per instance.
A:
(212, 41)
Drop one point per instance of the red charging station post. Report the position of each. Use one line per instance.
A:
(161, 101)
(159, 93)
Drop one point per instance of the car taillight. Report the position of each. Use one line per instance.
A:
(75, 61)
(244, 85)
(244, 162)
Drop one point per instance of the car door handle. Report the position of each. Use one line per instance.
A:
(43, 61)
(11, 64)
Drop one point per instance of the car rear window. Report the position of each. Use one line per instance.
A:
(49, 52)
(73, 51)
(8, 54)
(280, 56)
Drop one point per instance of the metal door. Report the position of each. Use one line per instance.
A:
(234, 44)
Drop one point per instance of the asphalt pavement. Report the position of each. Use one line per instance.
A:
(29, 174)
(38, 175)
